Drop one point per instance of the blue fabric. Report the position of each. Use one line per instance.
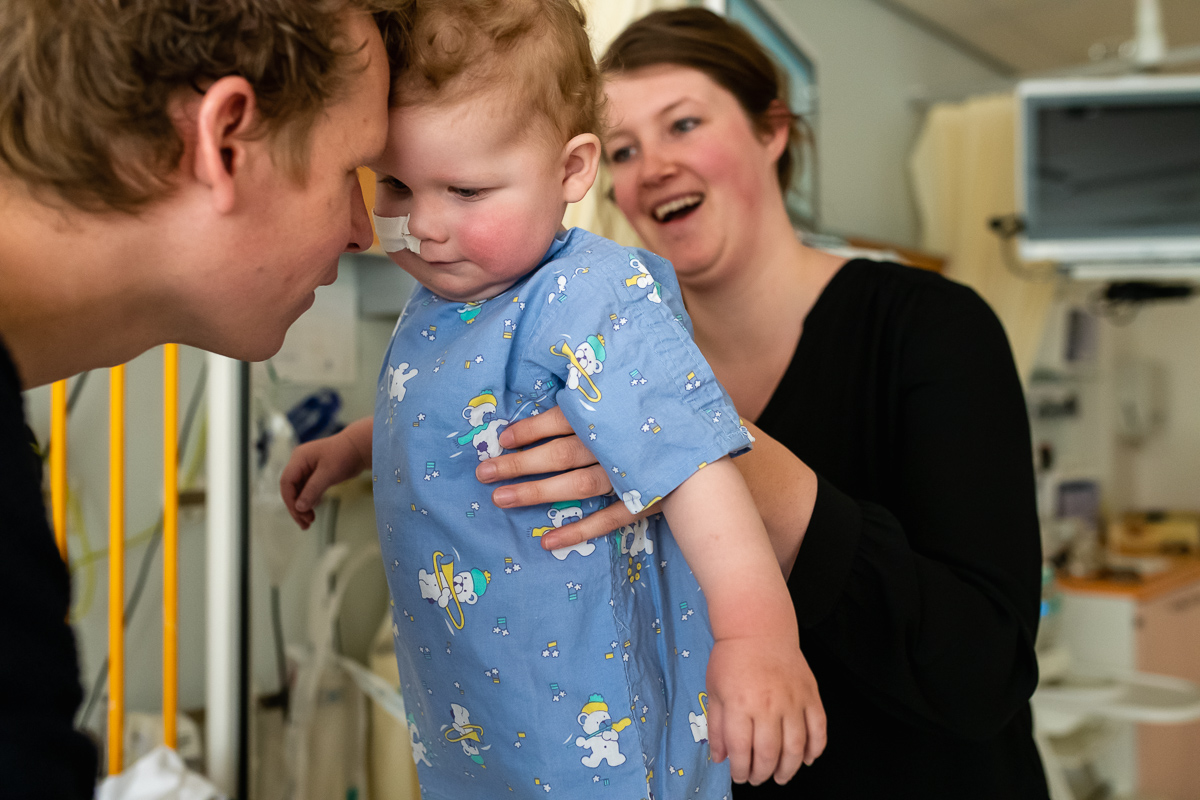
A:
(578, 673)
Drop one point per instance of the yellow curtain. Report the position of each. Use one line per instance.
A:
(963, 171)
(606, 19)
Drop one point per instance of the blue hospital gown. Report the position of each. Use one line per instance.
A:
(578, 673)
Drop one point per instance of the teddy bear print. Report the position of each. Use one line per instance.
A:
(396, 380)
(601, 735)
(484, 435)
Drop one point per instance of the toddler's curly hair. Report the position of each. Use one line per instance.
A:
(535, 51)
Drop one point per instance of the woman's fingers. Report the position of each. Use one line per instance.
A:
(600, 523)
(535, 429)
(578, 484)
(556, 455)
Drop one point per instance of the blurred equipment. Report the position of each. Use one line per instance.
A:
(1156, 532)
(1108, 176)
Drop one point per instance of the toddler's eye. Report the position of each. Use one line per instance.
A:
(622, 154)
(686, 124)
(466, 194)
(393, 184)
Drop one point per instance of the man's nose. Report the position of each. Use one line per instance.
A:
(362, 235)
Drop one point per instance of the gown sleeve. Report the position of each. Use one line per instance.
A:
(937, 616)
(628, 377)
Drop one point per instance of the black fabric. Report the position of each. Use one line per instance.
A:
(917, 586)
(41, 755)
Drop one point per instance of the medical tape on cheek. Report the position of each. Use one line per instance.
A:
(393, 234)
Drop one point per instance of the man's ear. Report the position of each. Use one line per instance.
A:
(581, 159)
(226, 116)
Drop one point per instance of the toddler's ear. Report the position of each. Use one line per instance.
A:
(581, 159)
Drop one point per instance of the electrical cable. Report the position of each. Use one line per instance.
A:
(1007, 228)
(151, 548)
(280, 658)
(77, 390)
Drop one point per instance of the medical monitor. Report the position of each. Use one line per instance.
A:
(1108, 170)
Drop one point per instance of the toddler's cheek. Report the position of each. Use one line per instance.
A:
(504, 245)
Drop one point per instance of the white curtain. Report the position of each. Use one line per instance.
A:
(606, 19)
(963, 171)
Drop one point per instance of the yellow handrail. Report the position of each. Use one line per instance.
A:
(116, 569)
(58, 464)
(170, 683)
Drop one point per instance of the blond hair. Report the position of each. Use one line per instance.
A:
(535, 51)
(86, 85)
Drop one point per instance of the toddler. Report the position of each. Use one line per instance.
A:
(578, 672)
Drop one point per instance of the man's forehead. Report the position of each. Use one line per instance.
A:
(361, 109)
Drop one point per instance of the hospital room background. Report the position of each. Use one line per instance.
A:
(942, 132)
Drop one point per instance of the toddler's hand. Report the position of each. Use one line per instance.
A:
(313, 468)
(764, 711)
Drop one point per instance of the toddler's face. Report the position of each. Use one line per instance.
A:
(485, 196)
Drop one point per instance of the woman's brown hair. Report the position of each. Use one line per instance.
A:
(727, 54)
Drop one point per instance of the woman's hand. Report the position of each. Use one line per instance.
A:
(579, 478)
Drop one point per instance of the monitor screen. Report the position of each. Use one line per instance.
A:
(1114, 167)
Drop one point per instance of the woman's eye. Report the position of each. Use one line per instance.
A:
(684, 125)
(466, 194)
(622, 154)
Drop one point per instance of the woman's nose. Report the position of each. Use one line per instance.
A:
(656, 165)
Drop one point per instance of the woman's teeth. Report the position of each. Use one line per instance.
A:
(673, 208)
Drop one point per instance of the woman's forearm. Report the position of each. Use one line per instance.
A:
(784, 490)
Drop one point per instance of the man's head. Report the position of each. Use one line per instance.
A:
(220, 135)
(89, 90)
(493, 131)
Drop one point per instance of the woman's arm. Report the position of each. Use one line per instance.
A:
(932, 602)
(782, 486)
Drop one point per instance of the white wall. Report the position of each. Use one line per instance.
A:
(1164, 471)
(871, 67)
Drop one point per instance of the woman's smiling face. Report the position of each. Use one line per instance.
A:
(690, 171)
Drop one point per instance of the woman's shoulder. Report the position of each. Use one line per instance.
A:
(903, 295)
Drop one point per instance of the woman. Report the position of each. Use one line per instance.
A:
(892, 465)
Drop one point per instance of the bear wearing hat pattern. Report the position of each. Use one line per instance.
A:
(484, 436)
(560, 514)
(589, 355)
(601, 734)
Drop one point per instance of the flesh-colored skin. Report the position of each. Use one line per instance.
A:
(226, 261)
(676, 133)
(485, 205)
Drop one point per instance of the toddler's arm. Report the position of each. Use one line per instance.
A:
(317, 465)
(763, 706)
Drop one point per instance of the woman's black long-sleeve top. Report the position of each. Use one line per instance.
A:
(917, 586)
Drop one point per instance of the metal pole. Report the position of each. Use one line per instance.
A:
(58, 464)
(226, 536)
(116, 570)
(170, 681)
